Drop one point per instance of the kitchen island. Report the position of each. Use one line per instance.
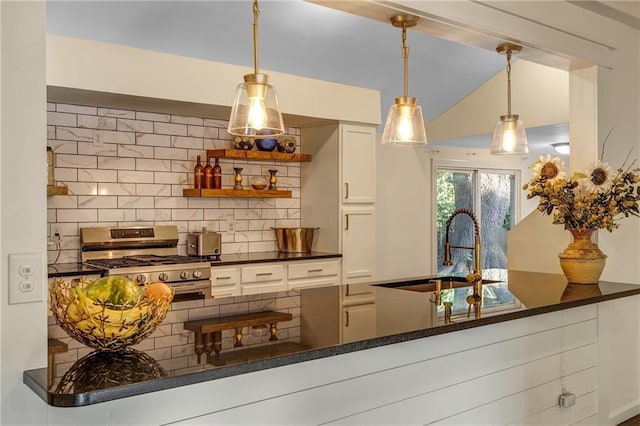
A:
(401, 320)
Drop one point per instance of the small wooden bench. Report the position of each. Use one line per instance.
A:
(208, 331)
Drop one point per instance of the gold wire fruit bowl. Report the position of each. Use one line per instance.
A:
(100, 325)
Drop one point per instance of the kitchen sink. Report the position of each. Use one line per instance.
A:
(427, 285)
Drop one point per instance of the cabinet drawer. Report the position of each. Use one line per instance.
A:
(313, 282)
(225, 277)
(225, 291)
(262, 273)
(265, 287)
(313, 270)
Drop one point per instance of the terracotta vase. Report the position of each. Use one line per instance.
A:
(582, 261)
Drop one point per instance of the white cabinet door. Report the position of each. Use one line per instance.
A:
(358, 245)
(358, 163)
(225, 282)
(359, 322)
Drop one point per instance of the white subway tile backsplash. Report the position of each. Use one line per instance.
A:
(116, 215)
(77, 161)
(118, 113)
(152, 116)
(67, 175)
(82, 188)
(187, 120)
(132, 176)
(74, 134)
(170, 129)
(127, 125)
(153, 190)
(153, 140)
(63, 202)
(116, 188)
(127, 138)
(77, 109)
(153, 165)
(62, 147)
(171, 203)
(187, 214)
(116, 163)
(171, 178)
(152, 215)
(216, 123)
(170, 153)
(195, 131)
(95, 122)
(88, 148)
(98, 202)
(96, 175)
(137, 151)
(186, 142)
(136, 173)
(77, 215)
(61, 119)
(135, 202)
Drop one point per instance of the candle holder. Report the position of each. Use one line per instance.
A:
(272, 180)
(237, 178)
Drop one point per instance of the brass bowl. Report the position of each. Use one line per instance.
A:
(99, 326)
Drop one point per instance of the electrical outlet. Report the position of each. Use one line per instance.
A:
(25, 278)
(231, 226)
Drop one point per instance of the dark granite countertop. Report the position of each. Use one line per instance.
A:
(270, 256)
(521, 294)
(71, 269)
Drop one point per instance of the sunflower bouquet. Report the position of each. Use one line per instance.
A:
(595, 199)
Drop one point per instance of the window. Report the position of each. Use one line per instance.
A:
(491, 195)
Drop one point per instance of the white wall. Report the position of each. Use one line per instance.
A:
(23, 330)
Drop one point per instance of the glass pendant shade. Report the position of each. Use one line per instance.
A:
(509, 136)
(404, 125)
(255, 110)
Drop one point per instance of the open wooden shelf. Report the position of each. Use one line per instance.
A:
(57, 190)
(234, 193)
(240, 154)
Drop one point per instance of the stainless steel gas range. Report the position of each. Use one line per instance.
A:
(147, 254)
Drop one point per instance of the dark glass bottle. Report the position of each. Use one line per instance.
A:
(198, 175)
(217, 175)
(208, 175)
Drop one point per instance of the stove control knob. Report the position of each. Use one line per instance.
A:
(163, 277)
(197, 274)
(184, 275)
(141, 279)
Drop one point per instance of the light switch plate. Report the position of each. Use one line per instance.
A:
(25, 278)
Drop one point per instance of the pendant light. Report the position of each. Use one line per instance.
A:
(509, 136)
(255, 110)
(405, 125)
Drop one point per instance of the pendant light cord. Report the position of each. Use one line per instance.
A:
(508, 82)
(256, 13)
(405, 57)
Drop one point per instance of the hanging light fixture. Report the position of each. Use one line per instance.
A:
(509, 136)
(255, 109)
(405, 125)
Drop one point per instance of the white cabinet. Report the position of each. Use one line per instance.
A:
(338, 194)
(225, 281)
(263, 278)
(358, 240)
(313, 273)
(358, 322)
(358, 163)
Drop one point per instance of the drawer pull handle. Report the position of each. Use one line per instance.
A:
(263, 274)
(223, 278)
(346, 222)
(346, 190)
(346, 314)
(315, 270)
